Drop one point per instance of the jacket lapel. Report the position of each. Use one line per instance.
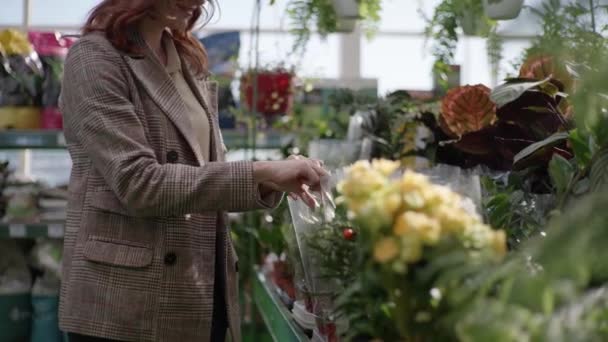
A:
(159, 85)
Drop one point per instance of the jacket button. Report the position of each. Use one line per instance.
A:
(172, 157)
(170, 259)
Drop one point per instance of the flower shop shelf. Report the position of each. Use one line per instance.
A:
(234, 139)
(32, 230)
(18, 139)
(277, 317)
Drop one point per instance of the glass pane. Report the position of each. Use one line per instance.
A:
(51, 166)
(239, 14)
(397, 62)
(60, 12)
(512, 57)
(406, 15)
(11, 13)
(275, 48)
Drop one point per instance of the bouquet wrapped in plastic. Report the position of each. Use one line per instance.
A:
(316, 289)
(412, 228)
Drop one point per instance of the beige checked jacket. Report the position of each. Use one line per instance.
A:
(144, 208)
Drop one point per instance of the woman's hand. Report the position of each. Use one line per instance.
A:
(295, 176)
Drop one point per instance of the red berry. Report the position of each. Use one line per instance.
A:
(348, 233)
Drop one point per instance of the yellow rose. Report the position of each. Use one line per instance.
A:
(413, 181)
(413, 200)
(419, 225)
(499, 242)
(435, 195)
(452, 220)
(377, 211)
(411, 249)
(386, 250)
(477, 235)
(385, 167)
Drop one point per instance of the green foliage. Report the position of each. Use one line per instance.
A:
(511, 207)
(545, 291)
(442, 28)
(311, 125)
(569, 32)
(307, 15)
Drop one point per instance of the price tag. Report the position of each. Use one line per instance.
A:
(17, 231)
(61, 139)
(55, 230)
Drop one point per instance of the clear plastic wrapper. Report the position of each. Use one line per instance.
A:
(314, 284)
(465, 182)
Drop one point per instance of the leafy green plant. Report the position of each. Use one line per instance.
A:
(443, 29)
(308, 15)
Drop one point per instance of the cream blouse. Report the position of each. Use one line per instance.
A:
(196, 112)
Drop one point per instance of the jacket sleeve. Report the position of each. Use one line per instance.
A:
(100, 117)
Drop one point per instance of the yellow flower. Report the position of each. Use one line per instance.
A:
(386, 250)
(411, 249)
(385, 167)
(435, 195)
(420, 225)
(452, 219)
(414, 200)
(378, 210)
(499, 242)
(412, 181)
(477, 235)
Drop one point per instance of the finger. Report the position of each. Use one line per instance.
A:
(310, 177)
(320, 170)
(308, 199)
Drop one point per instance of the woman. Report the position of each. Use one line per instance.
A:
(147, 254)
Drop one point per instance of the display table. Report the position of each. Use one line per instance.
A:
(277, 317)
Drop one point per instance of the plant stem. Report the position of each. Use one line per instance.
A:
(592, 10)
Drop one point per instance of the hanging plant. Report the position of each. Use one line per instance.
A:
(449, 18)
(503, 9)
(274, 91)
(330, 16)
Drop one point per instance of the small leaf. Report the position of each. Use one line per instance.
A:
(561, 172)
(582, 187)
(509, 92)
(532, 149)
(599, 171)
(580, 147)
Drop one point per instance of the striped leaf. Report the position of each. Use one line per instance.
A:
(599, 171)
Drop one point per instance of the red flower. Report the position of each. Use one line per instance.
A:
(467, 109)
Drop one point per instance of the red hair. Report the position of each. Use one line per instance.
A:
(116, 17)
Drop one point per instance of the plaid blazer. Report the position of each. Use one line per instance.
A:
(144, 208)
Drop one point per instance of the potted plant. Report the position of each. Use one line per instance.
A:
(330, 16)
(270, 89)
(503, 9)
(443, 28)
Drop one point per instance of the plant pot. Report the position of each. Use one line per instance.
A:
(347, 9)
(275, 95)
(503, 9)
(346, 25)
(473, 25)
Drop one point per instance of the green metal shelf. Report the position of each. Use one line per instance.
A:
(234, 139)
(32, 231)
(278, 319)
(17, 139)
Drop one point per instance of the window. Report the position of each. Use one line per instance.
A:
(60, 13)
(11, 13)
